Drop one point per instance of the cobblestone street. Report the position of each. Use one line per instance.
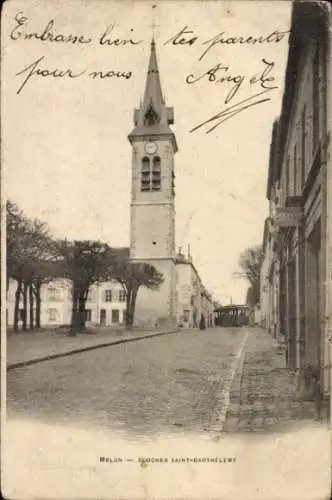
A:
(264, 397)
(164, 398)
(161, 385)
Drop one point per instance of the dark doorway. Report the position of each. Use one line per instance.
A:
(291, 330)
(102, 317)
(314, 350)
(115, 316)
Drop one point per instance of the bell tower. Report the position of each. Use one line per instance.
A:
(152, 214)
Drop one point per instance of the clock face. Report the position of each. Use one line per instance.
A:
(150, 148)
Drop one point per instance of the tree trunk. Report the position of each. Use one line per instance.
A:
(38, 304)
(31, 303)
(132, 306)
(74, 322)
(17, 304)
(74, 314)
(25, 306)
(127, 321)
(81, 311)
(129, 318)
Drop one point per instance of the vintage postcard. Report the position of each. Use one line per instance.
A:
(166, 249)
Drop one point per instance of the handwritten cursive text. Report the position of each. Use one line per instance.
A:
(35, 70)
(50, 34)
(47, 34)
(233, 110)
(105, 39)
(221, 74)
(187, 36)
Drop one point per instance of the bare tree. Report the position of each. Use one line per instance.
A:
(41, 272)
(132, 276)
(84, 263)
(28, 242)
(250, 262)
(16, 227)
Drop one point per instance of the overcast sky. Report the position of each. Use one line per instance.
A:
(66, 154)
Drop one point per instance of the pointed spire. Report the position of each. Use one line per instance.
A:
(153, 93)
(153, 117)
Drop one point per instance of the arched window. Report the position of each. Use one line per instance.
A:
(156, 163)
(146, 164)
(151, 174)
(145, 174)
(156, 174)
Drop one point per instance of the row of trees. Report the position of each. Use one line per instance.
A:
(35, 258)
(28, 244)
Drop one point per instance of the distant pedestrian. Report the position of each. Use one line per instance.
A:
(202, 323)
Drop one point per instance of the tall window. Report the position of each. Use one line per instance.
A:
(315, 101)
(87, 314)
(151, 174)
(122, 296)
(53, 293)
(145, 174)
(287, 177)
(303, 145)
(52, 314)
(108, 295)
(115, 316)
(156, 172)
(296, 187)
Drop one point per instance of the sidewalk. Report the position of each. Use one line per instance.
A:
(24, 348)
(263, 395)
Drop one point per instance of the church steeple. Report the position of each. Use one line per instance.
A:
(153, 117)
(152, 207)
(153, 94)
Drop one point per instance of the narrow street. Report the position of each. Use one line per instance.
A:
(164, 385)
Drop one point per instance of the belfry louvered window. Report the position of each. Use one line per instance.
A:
(151, 117)
(156, 174)
(145, 174)
(151, 174)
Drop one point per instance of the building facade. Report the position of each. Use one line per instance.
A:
(269, 276)
(193, 300)
(105, 305)
(264, 293)
(106, 302)
(207, 307)
(298, 237)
